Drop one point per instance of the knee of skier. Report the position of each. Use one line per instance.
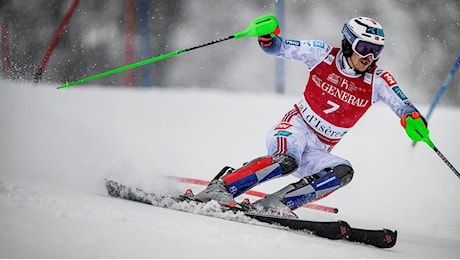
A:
(287, 163)
(344, 172)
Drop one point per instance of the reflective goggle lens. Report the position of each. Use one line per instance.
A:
(364, 48)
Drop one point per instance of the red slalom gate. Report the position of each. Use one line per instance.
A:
(254, 193)
(5, 49)
(56, 38)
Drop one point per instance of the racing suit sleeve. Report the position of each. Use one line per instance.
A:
(387, 90)
(309, 52)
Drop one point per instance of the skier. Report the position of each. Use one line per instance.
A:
(343, 83)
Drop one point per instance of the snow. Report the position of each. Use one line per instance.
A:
(57, 146)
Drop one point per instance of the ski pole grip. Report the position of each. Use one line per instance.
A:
(415, 128)
(262, 25)
(417, 131)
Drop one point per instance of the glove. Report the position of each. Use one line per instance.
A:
(416, 126)
(266, 40)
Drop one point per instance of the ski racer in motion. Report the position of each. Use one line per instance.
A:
(343, 83)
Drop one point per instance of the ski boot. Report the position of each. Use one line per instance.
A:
(217, 190)
(274, 204)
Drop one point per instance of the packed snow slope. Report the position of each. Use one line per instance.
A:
(57, 146)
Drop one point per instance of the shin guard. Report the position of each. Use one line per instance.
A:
(257, 171)
(313, 188)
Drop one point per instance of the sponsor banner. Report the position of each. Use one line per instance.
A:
(318, 124)
(283, 133)
(341, 92)
(389, 79)
(283, 126)
(368, 78)
(329, 59)
(399, 92)
(292, 42)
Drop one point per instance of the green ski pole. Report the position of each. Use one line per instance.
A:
(416, 130)
(260, 26)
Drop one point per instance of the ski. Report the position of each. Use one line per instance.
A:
(332, 230)
(253, 193)
(384, 238)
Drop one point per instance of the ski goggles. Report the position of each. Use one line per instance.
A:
(363, 49)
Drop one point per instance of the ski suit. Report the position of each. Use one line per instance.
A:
(335, 98)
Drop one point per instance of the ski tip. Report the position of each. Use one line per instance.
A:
(390, 238)
(387, 239)
(382, 238)
(113, 189)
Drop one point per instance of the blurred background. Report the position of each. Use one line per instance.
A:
(422, 42)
